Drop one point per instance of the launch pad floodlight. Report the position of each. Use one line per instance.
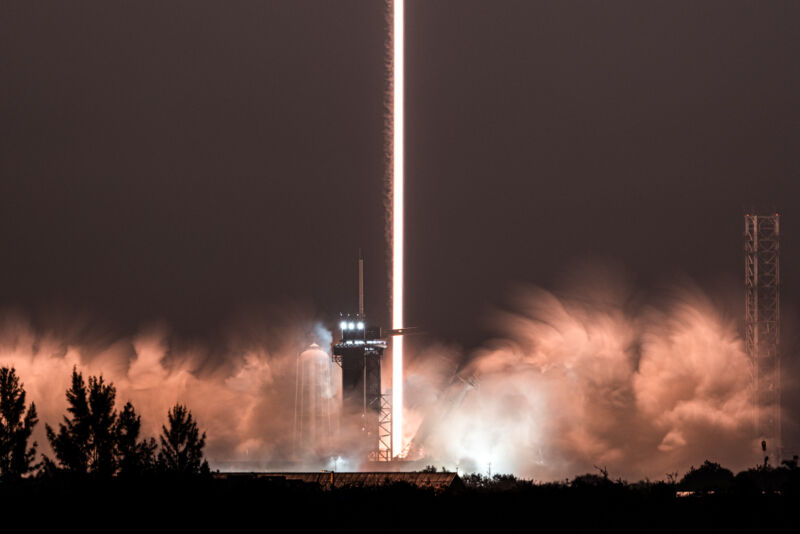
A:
(343, 325)
(360, 325)
(351, 326)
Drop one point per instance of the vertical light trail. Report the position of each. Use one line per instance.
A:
(398, 85)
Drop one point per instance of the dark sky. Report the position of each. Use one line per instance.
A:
(189, 161)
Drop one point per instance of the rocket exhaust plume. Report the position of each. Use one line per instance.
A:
(592, 377)
(397, 225)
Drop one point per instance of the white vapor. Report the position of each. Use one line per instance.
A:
(582, 381)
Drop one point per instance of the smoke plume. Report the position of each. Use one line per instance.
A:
(590, 380)
(242, 394)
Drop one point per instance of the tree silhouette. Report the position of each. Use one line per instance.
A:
(86, 442)
(708, 477)
(181, 444)
(72, 441)
(16, 425)
(134, 457)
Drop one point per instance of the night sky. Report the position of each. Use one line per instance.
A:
(189, 161)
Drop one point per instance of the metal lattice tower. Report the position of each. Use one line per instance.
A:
(384, 451)
(762, 324)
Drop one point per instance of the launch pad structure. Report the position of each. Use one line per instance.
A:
(360, 353)
(762, 326)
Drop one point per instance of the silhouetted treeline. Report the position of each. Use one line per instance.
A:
(707, 480)
(587, 503)
(16, 426)
(104, 467)
(94, 440)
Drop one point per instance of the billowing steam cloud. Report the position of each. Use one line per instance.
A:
(584, 382)
(576, 382)
(244, 400)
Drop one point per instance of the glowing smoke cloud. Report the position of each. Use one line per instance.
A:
(584, 381)
(397, 226)
(577, 382)
(243, 397)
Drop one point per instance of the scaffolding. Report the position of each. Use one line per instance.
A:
(762, 326)
(384, 450)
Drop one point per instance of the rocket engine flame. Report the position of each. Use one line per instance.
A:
(397, 225)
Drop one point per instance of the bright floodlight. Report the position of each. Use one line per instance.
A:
(360, 325)
(343, 325)
(351, 326)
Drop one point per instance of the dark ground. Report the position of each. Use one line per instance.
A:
(748, 501)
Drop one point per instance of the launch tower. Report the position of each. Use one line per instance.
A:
(762, 325)
(359, 353)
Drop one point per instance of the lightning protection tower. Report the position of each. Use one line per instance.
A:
(762, 325)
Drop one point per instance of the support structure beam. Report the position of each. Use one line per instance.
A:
(762, 326)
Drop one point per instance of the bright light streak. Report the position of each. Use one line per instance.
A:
(397, 227)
